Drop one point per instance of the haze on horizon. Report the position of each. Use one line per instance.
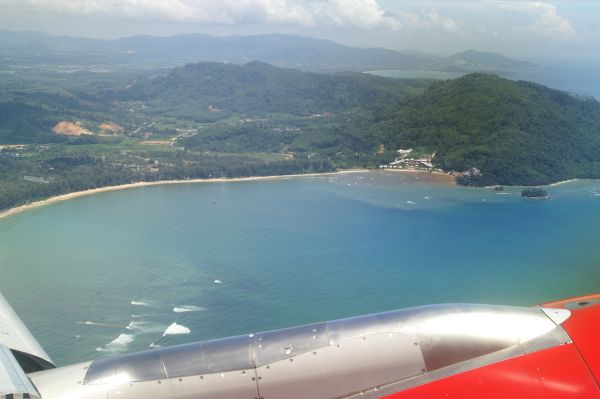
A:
(530, 29)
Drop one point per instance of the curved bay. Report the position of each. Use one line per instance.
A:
(103, 274)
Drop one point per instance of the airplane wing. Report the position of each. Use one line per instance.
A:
(16, 336)
(461, 351)
(13, 381)
(20, 353)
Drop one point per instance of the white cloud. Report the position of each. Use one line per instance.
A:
(427, 19)
(363, 14)
(547, 20)
(433, 19)
(366, 14)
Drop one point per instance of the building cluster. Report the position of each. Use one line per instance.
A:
(34, 179)
(11, 150)
(286, 129)
(405, 161)
(12, 147)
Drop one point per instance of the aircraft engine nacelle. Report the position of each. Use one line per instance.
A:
(441, 351)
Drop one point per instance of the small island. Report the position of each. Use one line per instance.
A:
(534, 192)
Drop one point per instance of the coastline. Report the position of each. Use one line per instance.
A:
(560, 183)
(439, 177)
(92, 191)
(434, 176)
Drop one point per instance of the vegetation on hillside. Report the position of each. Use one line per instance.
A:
(212, 119)
(23, 123)
(516, 133)
(259, 89)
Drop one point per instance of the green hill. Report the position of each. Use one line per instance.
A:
(486, 60)
(25, 124)
(259, 89)
(515, 132)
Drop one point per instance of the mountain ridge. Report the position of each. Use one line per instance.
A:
(290, 51)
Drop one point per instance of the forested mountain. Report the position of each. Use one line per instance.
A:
(486, 60)
(259, 89)
(515, 132)
(25, 124)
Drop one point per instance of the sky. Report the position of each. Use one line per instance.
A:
(530, 29)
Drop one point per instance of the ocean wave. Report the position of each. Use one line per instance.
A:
(143, 327)
(140, 303)
(89, 323)
(176, 329)
(187, 308)
(136, 325)
(118, 344)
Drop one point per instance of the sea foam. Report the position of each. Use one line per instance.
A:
(118, 344)
(144, 327)
(176, 329)
(137, 325)
(187, 308)
(139, 303)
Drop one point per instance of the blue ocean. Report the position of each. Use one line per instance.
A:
(126, 270)
(574, 76)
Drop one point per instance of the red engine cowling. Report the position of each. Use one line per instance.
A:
(571, 370)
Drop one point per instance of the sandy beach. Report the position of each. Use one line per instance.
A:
(434, 177)
(77, 194)
(560, 183)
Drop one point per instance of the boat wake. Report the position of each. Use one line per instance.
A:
(187, 308)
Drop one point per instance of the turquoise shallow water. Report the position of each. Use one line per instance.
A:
(103, 274)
